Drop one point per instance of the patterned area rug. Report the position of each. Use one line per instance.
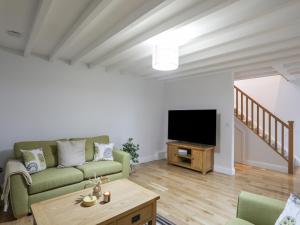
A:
(160, 220)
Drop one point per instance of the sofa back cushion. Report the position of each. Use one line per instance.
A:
(89, 145)
(50, 148)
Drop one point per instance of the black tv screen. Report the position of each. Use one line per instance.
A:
(196, 126)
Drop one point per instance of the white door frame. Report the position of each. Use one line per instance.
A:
(241, 129)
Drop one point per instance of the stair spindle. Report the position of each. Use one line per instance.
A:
(257, 118)
(270, 126)
(276, 135)
(237, 101)
(282, 139)
(247, 110)
(264, 133)
(266, 128)
(242, 107)
(252, 115)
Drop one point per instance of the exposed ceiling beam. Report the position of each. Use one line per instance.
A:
(39, 20)
(11, 50)
(267, 64)
(90, 13)
(255, 70)
(257, 73)
(294, 69)
(250, 44)
(132, 60)
(195, 12)
(217, 72)
(239, 66)
(253, 75)
(292, 64)
(279, 35)
(260, 68)
(283, 72)
(143, 12)
(266, 22)
(236, 55)
(253, 61)
(244, 25)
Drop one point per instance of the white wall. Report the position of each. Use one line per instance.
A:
(41, 100)
(280, 97)
(264, 89)
(256, 152)
(210, 92)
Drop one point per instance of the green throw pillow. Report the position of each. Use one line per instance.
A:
(34, 160)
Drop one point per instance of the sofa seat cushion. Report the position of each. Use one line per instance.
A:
(100, 168)
(238, 221)
(53, 178)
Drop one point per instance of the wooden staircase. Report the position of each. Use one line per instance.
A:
(273, 131)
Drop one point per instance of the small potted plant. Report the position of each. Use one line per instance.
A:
(132, 149)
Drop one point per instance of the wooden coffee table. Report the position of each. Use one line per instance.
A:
(130, 204)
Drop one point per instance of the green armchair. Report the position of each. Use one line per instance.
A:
(255, 209)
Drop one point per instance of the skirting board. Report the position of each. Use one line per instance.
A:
(163, 155)
(225, 170)
(269, 166)
(156, 156)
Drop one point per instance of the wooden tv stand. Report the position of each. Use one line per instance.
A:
(199, 157)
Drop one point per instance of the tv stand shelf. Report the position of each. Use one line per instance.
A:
(199, 157)
(184, 156)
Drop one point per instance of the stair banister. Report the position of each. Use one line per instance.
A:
(255, 108)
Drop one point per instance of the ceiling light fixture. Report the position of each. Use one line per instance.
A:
(14, 33)
(165, 57)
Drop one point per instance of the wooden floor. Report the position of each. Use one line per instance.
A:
(187, 197)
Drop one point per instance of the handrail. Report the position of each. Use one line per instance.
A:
(251, 118)
(254, 101)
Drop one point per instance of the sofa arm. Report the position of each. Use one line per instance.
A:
(259, 210)
(124, 158)
(18, 196)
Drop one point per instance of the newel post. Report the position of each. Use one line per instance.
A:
(291, 147)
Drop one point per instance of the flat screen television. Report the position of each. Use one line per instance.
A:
(196, 126)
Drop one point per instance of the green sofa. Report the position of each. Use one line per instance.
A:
(55, 181)
(255, 209)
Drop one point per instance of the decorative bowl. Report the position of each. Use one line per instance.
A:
(89, 201)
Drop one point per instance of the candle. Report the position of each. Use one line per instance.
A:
(106, 197)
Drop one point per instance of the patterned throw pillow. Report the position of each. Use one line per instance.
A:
(291, 212)
(34, 160)
(103, 151)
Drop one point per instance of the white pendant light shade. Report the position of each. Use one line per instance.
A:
(165, 57)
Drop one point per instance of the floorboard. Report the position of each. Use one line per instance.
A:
(188, 197)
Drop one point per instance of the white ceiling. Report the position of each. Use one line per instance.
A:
(250, 38)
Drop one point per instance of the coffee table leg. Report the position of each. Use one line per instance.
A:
(153, 221)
